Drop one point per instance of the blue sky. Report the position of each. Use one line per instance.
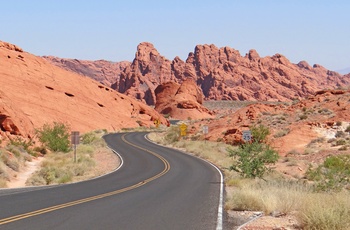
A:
(317, 31)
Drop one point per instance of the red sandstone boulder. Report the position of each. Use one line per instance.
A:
(181, 101)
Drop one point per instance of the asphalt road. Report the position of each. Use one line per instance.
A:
(155, 188)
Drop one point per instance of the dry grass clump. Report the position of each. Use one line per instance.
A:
(325, 211)
(313, 210)
(267, 196)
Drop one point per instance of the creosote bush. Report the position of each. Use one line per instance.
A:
(55, 136)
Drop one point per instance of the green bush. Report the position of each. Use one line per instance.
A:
(260, 133)
(252, 158)
(55, 137)
(333, 174)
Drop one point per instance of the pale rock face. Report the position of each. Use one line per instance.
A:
(34, 92)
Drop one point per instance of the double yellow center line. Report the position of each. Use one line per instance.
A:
(72, 203)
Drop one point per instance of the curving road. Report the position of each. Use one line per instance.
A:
(155, 188)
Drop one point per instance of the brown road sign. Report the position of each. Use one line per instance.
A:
(75, 138)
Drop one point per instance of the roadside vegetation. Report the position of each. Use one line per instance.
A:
(58, 166)
(320, 200)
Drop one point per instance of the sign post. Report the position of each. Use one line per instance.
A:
(75, 142)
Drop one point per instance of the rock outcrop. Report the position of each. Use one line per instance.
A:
(34, 92)
(148, 70)
(181, 101)
(105, 72)
(223, 74)
(293, 125)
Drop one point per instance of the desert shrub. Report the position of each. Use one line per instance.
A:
(55, 137)
(347, 129)
(303, 117)
(331, 140)
(40, 149)
(252, 159)
(340, 134)
(172, 135)
(21, 142)
(19, 152)
(3, 172)
(10, 161)
(343, 148)
(13, 150)
(88, 138)
(260, 133)
(281, 133)
(35, 180)
(85, 149)
(333, 174)
(340, 142)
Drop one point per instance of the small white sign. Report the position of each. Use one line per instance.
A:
(247, 135)
(205, 129)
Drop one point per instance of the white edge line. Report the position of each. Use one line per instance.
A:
(219, 224)
(243, 225)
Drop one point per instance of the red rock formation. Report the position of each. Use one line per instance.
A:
(181, 101)
(221, 73)
(147, 71)
(293, 126)
(34, 92)
(105, 72)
